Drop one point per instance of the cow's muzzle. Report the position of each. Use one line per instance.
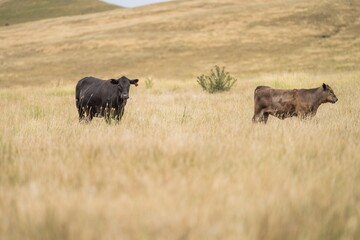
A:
(124, 96)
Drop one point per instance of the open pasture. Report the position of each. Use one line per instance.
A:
(182, 164)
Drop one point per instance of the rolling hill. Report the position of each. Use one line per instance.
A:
(15, 11)
(183, 39)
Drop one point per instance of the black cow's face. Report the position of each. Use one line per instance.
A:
(124, 86)
(330, 95)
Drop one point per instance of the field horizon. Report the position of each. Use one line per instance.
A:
(182, 163)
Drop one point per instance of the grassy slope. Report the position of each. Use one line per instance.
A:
(15, 11)
(182, 39)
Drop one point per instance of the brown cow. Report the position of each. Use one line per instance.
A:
(290, 103)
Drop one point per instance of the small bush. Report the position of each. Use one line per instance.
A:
(217, 81)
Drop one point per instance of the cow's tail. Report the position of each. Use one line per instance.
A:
(77, 93)
(78, 102)
(77, 97)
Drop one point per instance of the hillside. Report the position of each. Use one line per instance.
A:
(15, 11)
(182, 39)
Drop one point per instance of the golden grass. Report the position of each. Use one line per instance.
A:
(182, 164)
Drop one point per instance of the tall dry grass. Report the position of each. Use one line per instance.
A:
(182, 164)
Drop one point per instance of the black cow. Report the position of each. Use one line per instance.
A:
(102, 98)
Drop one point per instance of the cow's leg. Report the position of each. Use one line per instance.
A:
(117, 115)
(90, 113)
(256, 118)
(305, 115)
(81, 113)
(87, 113)
(91, 116)
(79, 109)
(117, 118)
(260, 116)
(107, 111)
(257, 114)
(265, 117)
(122, 110)
(107, 115)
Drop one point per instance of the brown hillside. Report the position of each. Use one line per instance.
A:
(183, 39)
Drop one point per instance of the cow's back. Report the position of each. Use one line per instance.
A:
(88, 82)
(89, 91)
(274, 95)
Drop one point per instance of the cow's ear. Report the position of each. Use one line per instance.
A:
(324, 86)
(114, 81)
(135, 82)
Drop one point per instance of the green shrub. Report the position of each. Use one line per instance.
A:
(217, 81)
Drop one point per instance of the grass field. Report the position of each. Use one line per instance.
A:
(182, 164)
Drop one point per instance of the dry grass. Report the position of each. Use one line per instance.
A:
(182, 164)
(14, 11)
(3, 1)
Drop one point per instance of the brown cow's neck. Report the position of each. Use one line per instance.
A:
(313, 98)
(318, 99)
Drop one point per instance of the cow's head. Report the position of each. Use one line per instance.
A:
(329, 94)
(124, 86)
